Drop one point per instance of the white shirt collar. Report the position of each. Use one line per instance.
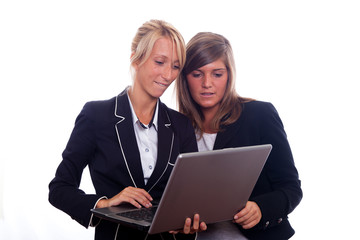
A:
(135, 118)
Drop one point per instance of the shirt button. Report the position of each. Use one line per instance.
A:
(150, 167)
(267, 224)
(146, 150)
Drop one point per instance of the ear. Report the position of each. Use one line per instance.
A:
(135, 65)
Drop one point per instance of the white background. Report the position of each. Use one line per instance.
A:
(303, 56)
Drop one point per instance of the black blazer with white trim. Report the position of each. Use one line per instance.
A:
(103, 139)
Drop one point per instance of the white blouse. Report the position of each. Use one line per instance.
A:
(206, 143)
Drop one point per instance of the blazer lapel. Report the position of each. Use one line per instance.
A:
(165, 143)
(229, 132)
(225, 136)
(127, 140)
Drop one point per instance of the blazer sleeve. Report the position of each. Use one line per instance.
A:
(64, 189)
(279, 170)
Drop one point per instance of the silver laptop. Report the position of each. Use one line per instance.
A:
(215, 184)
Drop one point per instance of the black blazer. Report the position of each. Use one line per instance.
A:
(104, 139)
(277, 191)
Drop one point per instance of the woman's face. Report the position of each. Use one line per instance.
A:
(156, 74)
(208, 84)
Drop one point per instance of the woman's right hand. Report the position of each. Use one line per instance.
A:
(135, 196)
(197, 226)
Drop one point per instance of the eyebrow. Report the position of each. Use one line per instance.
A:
(164, 56)
(217, 69)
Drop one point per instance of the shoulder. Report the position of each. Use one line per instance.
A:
(107, 106)
(100, 106)
(257, 114)
(99, 110)
(258, 107)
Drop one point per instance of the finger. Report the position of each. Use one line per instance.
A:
(249, 225)
(141, 200)
(187, 226)
(129, 199)
(139, 195)
(243, 211)
(196, 223)
(144, 193)
(247, 218)
(241, 217)
(250, 220)
(134, 196)
(250, 209)
(203, 226)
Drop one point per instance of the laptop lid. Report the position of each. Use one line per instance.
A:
(215, 184)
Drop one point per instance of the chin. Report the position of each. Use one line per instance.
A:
(206, 105)
(158, 94)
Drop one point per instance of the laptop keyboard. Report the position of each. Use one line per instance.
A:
(146, 214)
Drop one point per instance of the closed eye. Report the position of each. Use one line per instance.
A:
(196, 75)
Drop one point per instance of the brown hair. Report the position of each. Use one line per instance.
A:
(202, 49)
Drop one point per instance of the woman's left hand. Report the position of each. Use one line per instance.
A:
(249, 216)
(196, 226)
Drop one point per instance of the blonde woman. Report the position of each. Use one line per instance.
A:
(130, 142)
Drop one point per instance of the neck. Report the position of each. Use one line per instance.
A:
(144, 107)
(209, 114)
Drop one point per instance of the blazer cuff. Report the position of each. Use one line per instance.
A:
(94, 221)
(273, 209)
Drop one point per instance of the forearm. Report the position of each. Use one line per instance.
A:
(72, 201)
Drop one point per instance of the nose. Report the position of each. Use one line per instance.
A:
(167, 74)
(206, 82)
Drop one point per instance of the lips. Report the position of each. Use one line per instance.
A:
(162, 84)
(207, 94)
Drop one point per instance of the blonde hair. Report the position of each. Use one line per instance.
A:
(202, 49)
(148, 34)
